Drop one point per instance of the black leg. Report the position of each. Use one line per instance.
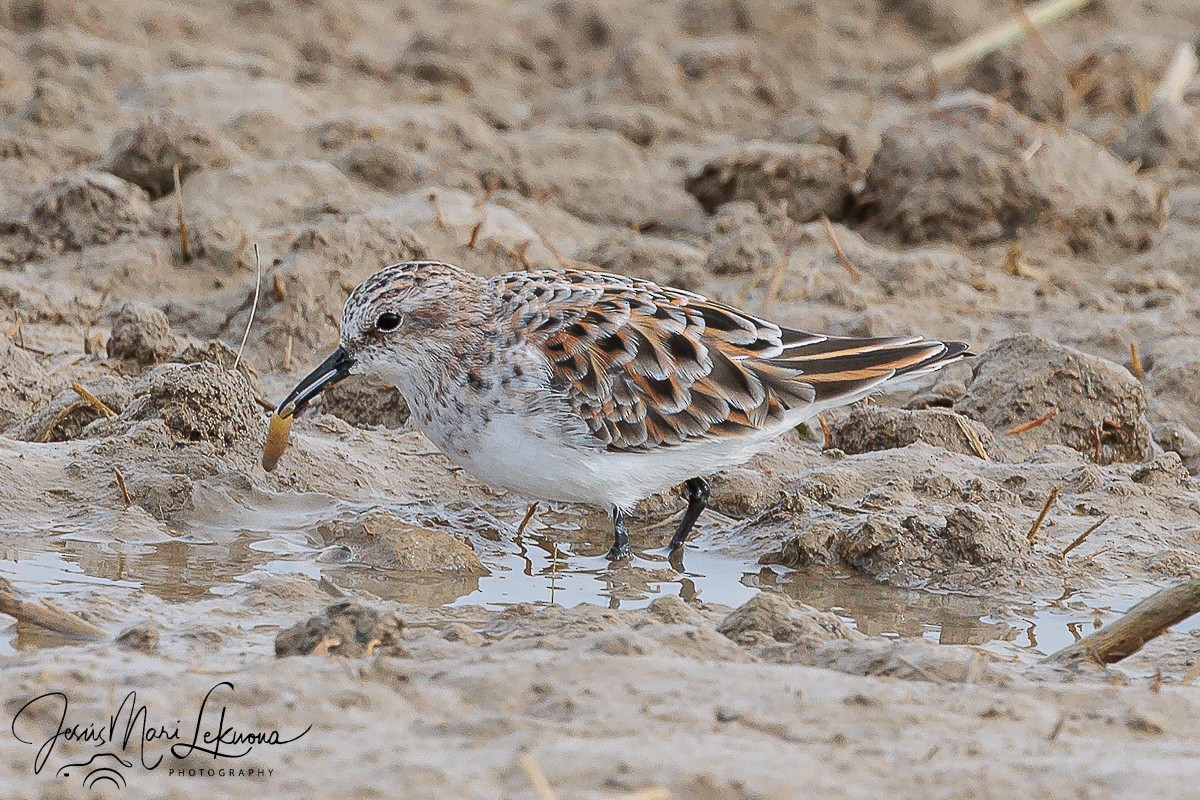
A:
(697, 494)
(620, 548)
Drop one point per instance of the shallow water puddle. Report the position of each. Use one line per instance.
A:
(246, 535)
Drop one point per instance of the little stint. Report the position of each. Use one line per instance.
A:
(594, 388)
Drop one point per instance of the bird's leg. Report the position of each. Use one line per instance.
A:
(620, 548)
(697, 495)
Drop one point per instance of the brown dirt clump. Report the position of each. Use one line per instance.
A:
(22, 383)
(323, 263)
(907, 545)
(982, 538)
(770, 622)
(1177, 438)
(405, 562)
(653, 257)
(870, 428)
(344, 629)
(141, 335)
(66, 416)
(812, 179)
(1022, 79)
(384, 165)
(978, 171)
(383, 540)
(742, 243)
(1166, 135)
(1101, 407)
(83, 209)
(366, 403)
(196, 402)
(146, 155)
(597, 175)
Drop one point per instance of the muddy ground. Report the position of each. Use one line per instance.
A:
(861, 614)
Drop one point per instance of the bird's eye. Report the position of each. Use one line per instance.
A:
(388, 321)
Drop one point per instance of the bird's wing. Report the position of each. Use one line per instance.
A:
(645, 365)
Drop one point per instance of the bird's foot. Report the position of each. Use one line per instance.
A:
(619, 551)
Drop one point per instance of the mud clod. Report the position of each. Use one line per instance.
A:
(979, 171)
(384, 166)
(744, 244)
(366, 403)
(67, 415)
(196, 402)
(1165, 470)
(1177, 438)
(771, 618)
(143, 637)
(1102, 408)
(651, 257)
(383, 540)
(343, 629)
(1166, 135)
(877, 545)
(982, 538)
(141, 334)
(1021, 77)
(812, 179)
(146, 155)
(870, 428)
(22, 383)
(86, 208)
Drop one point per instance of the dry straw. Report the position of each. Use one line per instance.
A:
(253, 307)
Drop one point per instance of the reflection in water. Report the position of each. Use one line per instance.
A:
(239, 535)
(880, 610)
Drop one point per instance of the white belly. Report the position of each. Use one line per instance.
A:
(509, 456)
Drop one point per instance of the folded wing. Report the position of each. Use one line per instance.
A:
(647, 366)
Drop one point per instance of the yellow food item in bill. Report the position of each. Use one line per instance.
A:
(277, 437)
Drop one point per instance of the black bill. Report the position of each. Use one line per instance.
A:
(331, 370)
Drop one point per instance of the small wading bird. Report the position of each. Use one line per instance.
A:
(594, 388)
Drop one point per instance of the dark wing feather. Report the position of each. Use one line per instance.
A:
(646, 366)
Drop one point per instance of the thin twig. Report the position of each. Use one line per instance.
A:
(1037, 523)
(972, 438)
(777, 277)
(1014, 263)
(1135, 362)
(973, 48)
(1145, 621)
(1079, 539)
(1179, 74)
(1039, 44)
(253, 307)
(826, 432)
(121, 485)
(185, 249)
(1058, 726)
(475, 229)
(46, 615)
(533, 507)
(536, 777)
(775, 285)
(59, 418)
(845, 261)
(92, 400)
(1090, 557)
(1050, 414)
(553, 572)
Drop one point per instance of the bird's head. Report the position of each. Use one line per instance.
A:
(401, 323)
